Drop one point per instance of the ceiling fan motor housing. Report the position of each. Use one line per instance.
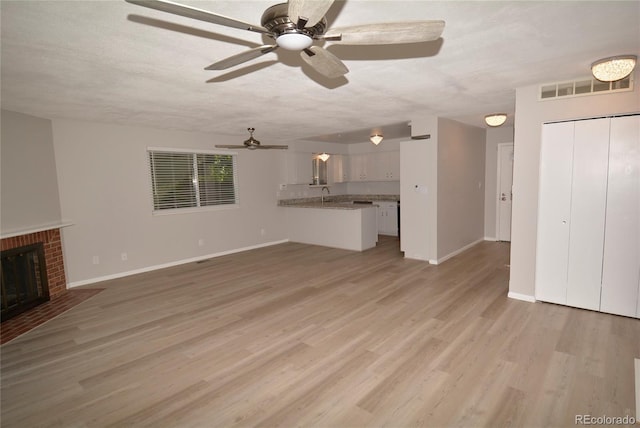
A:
(276, 20)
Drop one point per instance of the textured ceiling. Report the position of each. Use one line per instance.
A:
(111, 61)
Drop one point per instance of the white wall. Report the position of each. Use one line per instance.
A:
(28, 174)
(495, 136)
(461, 172)
(105, 191)
(418, 191)
(530, 115)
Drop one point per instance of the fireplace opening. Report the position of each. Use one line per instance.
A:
(24, 279)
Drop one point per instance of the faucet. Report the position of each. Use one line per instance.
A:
(322, 194)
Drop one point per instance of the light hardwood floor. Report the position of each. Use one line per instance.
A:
(300, 335)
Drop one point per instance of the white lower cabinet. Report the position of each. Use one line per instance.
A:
(387, 218)
(588, 247)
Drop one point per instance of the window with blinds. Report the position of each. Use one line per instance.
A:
(182, 179)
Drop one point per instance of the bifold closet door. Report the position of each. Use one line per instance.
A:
(621, 263)
(554, 211)
(588, 204)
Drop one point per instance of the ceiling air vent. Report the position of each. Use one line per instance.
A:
(586, 86)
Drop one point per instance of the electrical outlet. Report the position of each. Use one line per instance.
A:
(200, 242)
(263, 232)
(96, 260)
(124, 257)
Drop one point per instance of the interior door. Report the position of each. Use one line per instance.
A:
(554, 211)
(588, 203)
(621, 262)
(505, 182)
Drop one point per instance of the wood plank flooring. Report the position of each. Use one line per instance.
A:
(300, 335)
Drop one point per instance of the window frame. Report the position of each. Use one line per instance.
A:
(194, 153)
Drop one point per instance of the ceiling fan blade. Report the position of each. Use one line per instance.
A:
(267, 147)
(388, 33)
(194, 13)
(229, 146)
(241, 57)
(311, 10)
(324, 62)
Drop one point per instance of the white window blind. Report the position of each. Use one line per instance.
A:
(192, 179)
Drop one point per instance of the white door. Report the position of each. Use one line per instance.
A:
(554, 211)
(505, 181)
(588, 203)
(621, 264)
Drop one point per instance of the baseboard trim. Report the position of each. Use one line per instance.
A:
(171, 264)
(524, 297)
(637, 370)
(490, 239)
(455, 253)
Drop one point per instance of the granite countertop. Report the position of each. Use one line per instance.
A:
(344, 202)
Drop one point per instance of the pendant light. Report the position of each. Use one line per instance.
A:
(376, 139)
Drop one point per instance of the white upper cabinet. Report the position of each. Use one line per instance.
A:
(298, 168)
(379, 166)
(386, 166)
(360, 167)
(338, 166)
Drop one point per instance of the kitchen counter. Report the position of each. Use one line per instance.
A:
(329, 205)
(336, 201)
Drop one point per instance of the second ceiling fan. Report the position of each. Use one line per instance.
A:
(295, 25)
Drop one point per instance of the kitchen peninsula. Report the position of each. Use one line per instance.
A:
(343, 221)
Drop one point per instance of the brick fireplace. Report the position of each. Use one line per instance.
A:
(53, 258)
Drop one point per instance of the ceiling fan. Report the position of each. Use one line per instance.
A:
(296, 24)
(251, 144)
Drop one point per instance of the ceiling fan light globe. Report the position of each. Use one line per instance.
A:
(294, 41)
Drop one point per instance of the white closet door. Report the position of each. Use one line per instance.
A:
(621, 263)
(554, 210)
(588, 202)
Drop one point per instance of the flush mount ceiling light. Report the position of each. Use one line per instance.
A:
(376, 139)
(613, 68)
(324, 157)
(495, 119)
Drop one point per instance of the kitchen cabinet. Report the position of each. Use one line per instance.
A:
(379, 166)
(386, 166)
(350, 229)
(588, 249)
(338, 166)
(387, 218)
(360, 166)
(299, 169)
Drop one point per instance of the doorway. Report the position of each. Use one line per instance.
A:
(505, 195)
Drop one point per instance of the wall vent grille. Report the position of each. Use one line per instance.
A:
(581, 87)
